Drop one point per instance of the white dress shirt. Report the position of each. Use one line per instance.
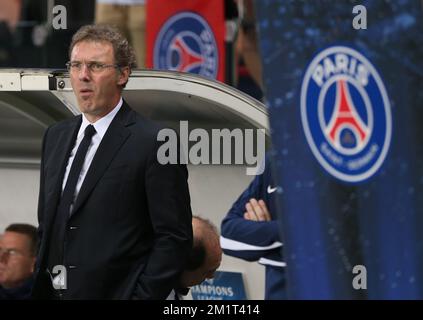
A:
(100, 127)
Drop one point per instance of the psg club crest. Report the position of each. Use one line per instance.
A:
(345, 114)
(186, 43)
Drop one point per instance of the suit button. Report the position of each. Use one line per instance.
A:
(72, 267)
(73, 228)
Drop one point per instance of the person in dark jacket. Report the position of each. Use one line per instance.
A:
(17, 259)
(250, 232)
(114, 222)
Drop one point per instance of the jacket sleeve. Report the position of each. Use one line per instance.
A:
(42, 286)
(245, 239)
(171, 218)
(41, 196)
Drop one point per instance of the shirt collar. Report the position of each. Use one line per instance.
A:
(102, 124)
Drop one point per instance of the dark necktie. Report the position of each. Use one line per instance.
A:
(57, 242)
(75, 171)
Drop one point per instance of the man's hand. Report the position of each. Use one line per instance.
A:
(256, 211)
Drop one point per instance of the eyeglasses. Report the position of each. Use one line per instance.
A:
(93, 66)
(10, 252)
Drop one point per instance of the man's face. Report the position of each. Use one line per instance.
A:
(206, 271)
(97, 92)
(16, 260)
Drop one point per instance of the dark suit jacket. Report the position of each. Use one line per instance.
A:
(130, 231)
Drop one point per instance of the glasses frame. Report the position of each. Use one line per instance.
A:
(90, 66)
(10, 252)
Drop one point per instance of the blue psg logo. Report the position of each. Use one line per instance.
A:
(345, 114)
(186, 43)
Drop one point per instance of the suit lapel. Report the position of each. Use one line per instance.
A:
(115, 136)
(65, 142)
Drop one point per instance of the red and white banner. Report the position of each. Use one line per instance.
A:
(186, 36)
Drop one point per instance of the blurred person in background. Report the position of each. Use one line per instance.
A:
(10, 12)
(247, 52)
(204, 259)
(250, 231)
(129, 17)
(17, 259)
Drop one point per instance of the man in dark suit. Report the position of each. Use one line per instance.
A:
(113, 222)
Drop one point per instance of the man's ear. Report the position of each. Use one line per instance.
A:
(123, 76)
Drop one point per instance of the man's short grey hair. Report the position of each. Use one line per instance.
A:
(123, 52)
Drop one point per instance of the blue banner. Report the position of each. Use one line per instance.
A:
(344, 86)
